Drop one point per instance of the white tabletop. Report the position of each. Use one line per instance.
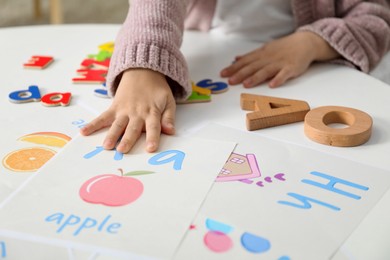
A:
(322, 85)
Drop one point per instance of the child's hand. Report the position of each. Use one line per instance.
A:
(279, 60)
(143, 102)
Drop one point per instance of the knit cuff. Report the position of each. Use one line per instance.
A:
(334, 31)
(172, 65)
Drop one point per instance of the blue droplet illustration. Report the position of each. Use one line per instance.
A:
(214, 225)
(284, 258)
(255, 244)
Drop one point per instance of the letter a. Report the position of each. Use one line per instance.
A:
(272, 111)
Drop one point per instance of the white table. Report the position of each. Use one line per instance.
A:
(322, 85)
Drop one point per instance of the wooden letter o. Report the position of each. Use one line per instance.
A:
(358, 131)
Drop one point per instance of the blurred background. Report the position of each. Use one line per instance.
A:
(38, 12)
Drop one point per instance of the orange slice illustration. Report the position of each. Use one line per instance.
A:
(47, 138)
(27, 159)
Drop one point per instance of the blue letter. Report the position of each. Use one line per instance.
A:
(306, 204)
(3, 250)
(57, 217)
(20, 96)
(176, 156)
(332, 182)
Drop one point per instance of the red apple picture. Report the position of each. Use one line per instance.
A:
(113, 190)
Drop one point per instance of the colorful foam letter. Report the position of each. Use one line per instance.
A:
(108, 46)
(56, 99)
(38, 62)
(90, 76)
(215, 87)
(95, 64)
(198, 95)
(101, 56)
(23, 96)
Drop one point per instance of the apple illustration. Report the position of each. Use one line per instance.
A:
(113, 190)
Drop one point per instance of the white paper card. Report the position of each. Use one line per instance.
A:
(32, 135)
(83, 198)
(302, 205)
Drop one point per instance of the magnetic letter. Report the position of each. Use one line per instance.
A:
(56, 99)
(38, 62)
(215, 87)
(90, 76)
(23, 96)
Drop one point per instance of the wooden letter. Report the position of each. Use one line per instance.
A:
(357, 132)
(272, 111)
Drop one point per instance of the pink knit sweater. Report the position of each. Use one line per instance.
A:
(151, 35)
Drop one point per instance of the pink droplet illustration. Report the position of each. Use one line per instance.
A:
(217, 241)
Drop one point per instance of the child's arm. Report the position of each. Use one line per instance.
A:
(359, 31)
(279, 60)
(356, 35)
(147, 71)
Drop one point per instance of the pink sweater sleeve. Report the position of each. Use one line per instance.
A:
(358, 30)
(151, 37)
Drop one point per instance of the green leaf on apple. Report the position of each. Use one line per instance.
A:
(136, 173)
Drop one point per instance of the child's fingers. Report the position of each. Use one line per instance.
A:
(237, 65)
(114, 133)
(246, 72)
(153, 132)
(130, 135)
(260, 76)
(168, 119)
(281, 77)
(98, 123)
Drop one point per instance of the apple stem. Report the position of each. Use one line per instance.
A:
(121, 171)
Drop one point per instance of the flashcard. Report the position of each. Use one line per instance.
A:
(219, 240)
(303, 202)
(34, 136)
(138, 205)
(10, 248)
(38, 62)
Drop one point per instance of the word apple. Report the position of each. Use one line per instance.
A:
(81, 224)
(113, 190)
